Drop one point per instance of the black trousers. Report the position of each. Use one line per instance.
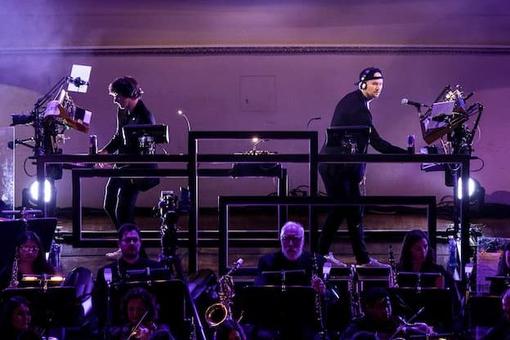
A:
(120, 200)
(342, 181)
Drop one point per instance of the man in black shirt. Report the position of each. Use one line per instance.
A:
(291, 259)
(121, 193)
(133, 259)
(343, 180)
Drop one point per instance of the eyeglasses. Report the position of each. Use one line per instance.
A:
(288, 238)
(130, 240)
(30, 249)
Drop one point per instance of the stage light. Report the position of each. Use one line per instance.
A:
(47, 191)
(472, 186)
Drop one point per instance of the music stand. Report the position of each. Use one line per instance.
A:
(348, 139)
(416, 280)
(438, 304)
(373, 277)
(285, 277)
(51, 307)
(169, 294)
(270, 307)
(498, 284)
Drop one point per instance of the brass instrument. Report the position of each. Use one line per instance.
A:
(217, 313)
(14, 282)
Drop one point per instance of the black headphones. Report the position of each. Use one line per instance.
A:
(362, 85)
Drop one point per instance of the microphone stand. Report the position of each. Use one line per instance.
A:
(169, 217)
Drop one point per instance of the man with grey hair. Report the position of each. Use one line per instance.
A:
(290, 258)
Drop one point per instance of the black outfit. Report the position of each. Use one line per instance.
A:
(499, 332)
(277, 262)
(290, 325)
(118, 269)
(342, 180)
(121, 193)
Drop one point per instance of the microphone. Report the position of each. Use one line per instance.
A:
(107, 274)
(78, 81)
(406, 101)
(182, 114)
(311, 120)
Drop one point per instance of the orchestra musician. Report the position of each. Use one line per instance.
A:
(121, 193)
(416, 256)
(379, 319)
(16, 320)
(293, 267)
(502, 329)
(133, 258)
(343, 180)
(290, 257)
(497, 287)
(29, 258)
(139, 311)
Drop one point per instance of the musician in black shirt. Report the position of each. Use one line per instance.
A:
(121, 193)
(343, 180)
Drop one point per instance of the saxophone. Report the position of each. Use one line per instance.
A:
(221, 311)
(14, 282)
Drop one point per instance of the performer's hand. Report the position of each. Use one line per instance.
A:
(101, 165)
(318, 285)
(142, 333)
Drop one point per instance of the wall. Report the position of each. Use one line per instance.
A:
(286, 79)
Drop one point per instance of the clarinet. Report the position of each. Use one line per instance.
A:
(393, 265)
(323, 332)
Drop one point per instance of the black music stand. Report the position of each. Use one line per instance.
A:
(170, 295)
(285, 277)
(438, 307)
(274, 308)
(51, 307)
(368, 277)
(348, 139)
(498, 284)
(416, 280)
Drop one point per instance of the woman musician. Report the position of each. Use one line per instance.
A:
(29, 259)
(140, 313)
(378, 319)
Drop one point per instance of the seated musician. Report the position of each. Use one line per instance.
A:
(139, 311)
(16, 320)
(290, 264)
(497, 287)
(29, 258)
(133, 258)
(502, 329)
(416, 256)
(379, 319)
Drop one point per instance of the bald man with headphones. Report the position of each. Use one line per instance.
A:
(343, 180)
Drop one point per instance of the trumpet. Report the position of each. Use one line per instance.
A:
(217, 313)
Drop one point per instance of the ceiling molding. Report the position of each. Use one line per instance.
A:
(260, 50)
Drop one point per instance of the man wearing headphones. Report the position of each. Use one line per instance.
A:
(343, 180)
(121, 193)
